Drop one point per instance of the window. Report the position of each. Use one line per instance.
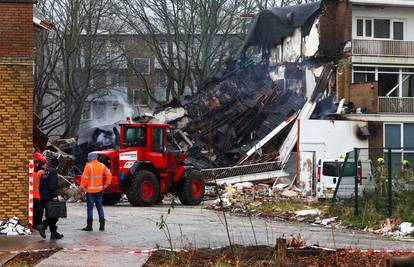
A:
(408, 135)
(364, 77)
(118, 79)
(397, 82)
(368, 28)
(392, 135)
(142, 65)
(117, 56)
(360, 27)
(141, 97)
(160, 93)
(134, 137)
(99, 79)
(398, 30)
(363, 74)
(99, 110)
(162, 79)
(333, 168)
(382, 28)
(87, 111)
(398, 136)
(158, 139)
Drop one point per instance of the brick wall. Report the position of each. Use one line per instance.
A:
(335, 27)
(137, 48)
(364, 95)
(16, 107)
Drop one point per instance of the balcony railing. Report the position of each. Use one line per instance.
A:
(396, 105)
(383, 48)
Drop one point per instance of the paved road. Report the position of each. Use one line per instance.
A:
(133, 228)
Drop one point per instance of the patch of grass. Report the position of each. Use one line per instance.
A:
(374, 209)
(287, 207)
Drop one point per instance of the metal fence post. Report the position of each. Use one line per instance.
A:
(389, 183)
(356, 181)
(341, 171)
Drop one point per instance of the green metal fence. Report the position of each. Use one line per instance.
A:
(383, 180)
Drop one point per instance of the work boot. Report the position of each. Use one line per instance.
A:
(88, 226)
(41, 228)
(101, 224)
(55, 236)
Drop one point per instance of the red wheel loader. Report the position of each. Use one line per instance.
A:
(145, 169)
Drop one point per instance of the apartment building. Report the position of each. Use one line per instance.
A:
(383, 72)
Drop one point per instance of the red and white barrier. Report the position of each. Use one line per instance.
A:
(31, 178)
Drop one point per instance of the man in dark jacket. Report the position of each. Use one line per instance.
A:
(48, 192)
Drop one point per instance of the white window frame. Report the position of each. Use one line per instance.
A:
(133, 98)
(364, 37)
(149, 65)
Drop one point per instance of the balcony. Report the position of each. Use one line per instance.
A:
(383, 48)
(401, 105)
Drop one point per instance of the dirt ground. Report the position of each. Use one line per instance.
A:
(30, 258)
(264, 256)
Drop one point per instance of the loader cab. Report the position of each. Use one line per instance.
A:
(147, 140)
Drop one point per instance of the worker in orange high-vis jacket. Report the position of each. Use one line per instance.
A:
(40, 166)
(95, 178)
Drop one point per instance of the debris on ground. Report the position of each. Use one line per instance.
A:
(11, 227)
(296, 241)
(406, 228)
(305, 213)
(265, 256)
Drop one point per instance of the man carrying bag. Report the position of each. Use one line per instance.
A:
(49, 198)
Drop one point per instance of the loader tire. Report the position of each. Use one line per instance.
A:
(111, 199)
(191, 189)
(144, 189)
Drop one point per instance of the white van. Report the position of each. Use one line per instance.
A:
(327, 177)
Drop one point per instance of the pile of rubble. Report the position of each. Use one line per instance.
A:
(247, 199)
(395, 228)
(12, 227)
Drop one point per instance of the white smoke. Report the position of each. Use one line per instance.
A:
(109, 110)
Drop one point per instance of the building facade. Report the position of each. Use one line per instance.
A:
(382, 70)
(136, 84)
(16, 106)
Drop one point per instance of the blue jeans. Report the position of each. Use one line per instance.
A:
(96, 198)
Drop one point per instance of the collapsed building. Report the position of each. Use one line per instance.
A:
(297, 67)
(233, 119)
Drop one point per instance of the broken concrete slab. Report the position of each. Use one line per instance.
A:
(289, 193)
(311, 212)
(406, 228)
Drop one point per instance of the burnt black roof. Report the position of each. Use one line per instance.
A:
(270, 26)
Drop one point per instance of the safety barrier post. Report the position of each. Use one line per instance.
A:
(31, 177)
(356, 181)
(389, 183)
